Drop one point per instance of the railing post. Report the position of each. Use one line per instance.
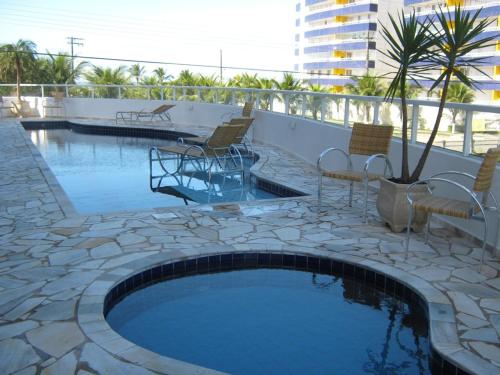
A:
(468, 133)
(217, 95)
(304, 105)
(67, 90)
(149, 93)
(376, 113)
(198, 93)
(161, 93)
(43, 91)
(174, 93)
(119, 92)
(346, 113)
(287, 104)
(414, 123)
(232, 97)
(184, 93)
(323, 104)
(271, 102)
(257, 100)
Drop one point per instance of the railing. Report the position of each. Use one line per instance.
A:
(466, 128)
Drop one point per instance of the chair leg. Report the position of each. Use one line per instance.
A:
(485, 236)
(428, 228)
(320, 190)
(408, 229)
(351, 191)
(365, 211)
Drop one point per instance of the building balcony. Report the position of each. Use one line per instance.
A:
(343, 64)
(488, 10)
(349, 9)
(346, 28)
(349, 45)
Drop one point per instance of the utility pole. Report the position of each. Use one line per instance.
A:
(220, 56)
(73, 41)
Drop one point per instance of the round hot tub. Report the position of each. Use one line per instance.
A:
(273, 313)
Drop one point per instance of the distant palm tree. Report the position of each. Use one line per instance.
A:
(17, 56)
(61, 70)
(136, 71)
(161, 75)
(314, 102)
(366, 85)
(107, 76)
(458, 93)
(265, 98)
(289, 82)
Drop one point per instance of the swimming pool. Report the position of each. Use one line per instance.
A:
(274, 321)
(106, 173)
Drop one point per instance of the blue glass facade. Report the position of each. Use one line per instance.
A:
(331, 81)
(349, 9)
(486, 11)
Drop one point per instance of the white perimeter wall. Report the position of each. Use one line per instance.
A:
(305, 138)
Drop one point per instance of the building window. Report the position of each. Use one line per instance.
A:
(297, 7)
(297, 37)
(297, 22)
(296, 51)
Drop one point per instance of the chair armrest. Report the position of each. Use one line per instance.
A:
(180, 141)
(388, 164)
(333, 149)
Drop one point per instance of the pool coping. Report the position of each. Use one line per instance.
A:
(443, 335)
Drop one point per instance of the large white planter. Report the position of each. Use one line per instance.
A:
(392, 206)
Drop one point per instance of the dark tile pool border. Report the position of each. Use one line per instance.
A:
(253, 260)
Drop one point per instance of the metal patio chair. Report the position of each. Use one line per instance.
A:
(56, 104)
(472, 209)
(366, 140)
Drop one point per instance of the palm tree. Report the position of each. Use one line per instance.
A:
(107, 76)
(315, 101)
(455, 35)
(136, 71)
(265, 98)
(61, 70)
(161, 75)
(366, 85)
(17, 56)
(289, 82)
(458, 93)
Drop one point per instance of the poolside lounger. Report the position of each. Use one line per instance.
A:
(161, 112)
(216, 155)
(57, 104)
(366, 140)
(245, 112)
(247, 121)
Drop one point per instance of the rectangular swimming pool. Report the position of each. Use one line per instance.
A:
(108, 173)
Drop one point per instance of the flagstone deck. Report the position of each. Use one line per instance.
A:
(55, 265)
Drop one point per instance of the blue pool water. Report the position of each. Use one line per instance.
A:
(109, 173)
(275, 321)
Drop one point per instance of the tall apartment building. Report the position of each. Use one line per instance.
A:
(489, 88)
(337, 39)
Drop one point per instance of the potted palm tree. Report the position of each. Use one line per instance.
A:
(441, 42)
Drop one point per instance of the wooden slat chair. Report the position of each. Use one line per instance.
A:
(246, 111)
(247, 121)
(366, 140)
(161, 112)
(474, 208)
(217, 149)
(57, 104)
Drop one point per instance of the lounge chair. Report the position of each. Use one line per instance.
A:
(474, 207)
(366, 140)
(217, 154)
(4, 106)
(247, 121)
(56, 105)
(245, 112)
(161, 112)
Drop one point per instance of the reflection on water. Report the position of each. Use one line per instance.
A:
(265, 321)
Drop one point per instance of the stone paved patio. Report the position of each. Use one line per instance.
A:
(56, 265)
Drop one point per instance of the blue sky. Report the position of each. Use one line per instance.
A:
(254, 33)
